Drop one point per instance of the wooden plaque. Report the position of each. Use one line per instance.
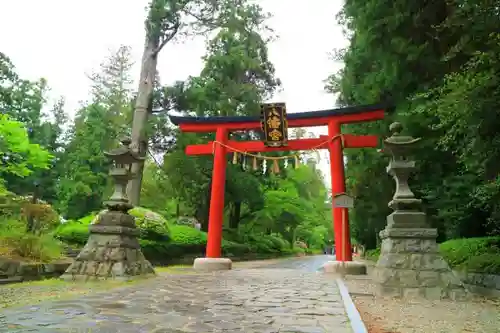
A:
(274, 124)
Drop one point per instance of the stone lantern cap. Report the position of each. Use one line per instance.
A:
(396, 138)
(123, 154)
(399, 145)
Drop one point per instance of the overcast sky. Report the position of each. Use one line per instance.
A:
(61, 40)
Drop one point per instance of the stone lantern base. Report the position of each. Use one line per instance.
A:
(112, 251)
(345, 267)
(410, 265)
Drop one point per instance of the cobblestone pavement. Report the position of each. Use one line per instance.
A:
(306, 264)
(265, 300)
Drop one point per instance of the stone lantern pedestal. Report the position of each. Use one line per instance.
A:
(112, 250)
(410, 263)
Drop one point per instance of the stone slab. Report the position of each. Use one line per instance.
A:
(212, 264)
(345, 267)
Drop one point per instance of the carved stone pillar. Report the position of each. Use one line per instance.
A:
(410, 263)
(112, 250)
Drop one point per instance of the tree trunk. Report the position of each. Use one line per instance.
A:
(234, 220)
(177, 209)
(139, 138)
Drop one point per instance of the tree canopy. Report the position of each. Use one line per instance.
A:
(236, 78)
(436, 61)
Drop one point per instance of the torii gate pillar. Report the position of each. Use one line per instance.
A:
(338, 186)
(216, 212)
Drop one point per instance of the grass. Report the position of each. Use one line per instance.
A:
(33, 292)
(173, 269)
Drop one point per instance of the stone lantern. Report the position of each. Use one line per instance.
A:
(407, 208)
(123, 159)
(410, 263)
(112, 250)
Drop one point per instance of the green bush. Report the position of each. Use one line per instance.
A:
(277, 242)
(165, 251)
(86, 220)
(484, 263)
(16, 243)
(457, 251)
(265, 243)
(188, 241)
(372, 254)
(232, 249)
(481, 255)
(182, 234)
(183, 241)
(73, 233)
(152, 226)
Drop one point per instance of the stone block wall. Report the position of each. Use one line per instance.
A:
(16, 271)
(484, 284)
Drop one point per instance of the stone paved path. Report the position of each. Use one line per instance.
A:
(306, 264)
(264, 300)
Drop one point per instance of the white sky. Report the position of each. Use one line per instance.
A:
(62, 40)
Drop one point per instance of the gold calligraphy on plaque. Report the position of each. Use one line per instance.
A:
(274, 124)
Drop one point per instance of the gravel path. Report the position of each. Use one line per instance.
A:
(388, 315)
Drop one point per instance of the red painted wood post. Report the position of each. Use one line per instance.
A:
(338, 186)
(216, 215)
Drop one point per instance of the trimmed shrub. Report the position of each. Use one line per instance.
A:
(182, 234)
(153, 226)
(479, 255)
(184, 241)
(73, 233)
(457, 251)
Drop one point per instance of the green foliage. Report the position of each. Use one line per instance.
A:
(153, 226)
(16, 243)
(97, 129)
(294, 208)
(73, 233)
(473, 254)
(485, 263)
(438, 63)
(18, 156)
(182, 234)
(372, 254)
(264, 214)
(25, 101)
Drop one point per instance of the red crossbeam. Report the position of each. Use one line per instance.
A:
(309, 122)
(350, 141)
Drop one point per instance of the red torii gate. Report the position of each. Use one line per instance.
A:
(335, 141)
